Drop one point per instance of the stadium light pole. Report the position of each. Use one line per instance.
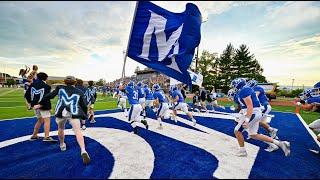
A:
(292, 84)
(203, 20)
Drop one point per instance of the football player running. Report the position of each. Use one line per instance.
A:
(251, 117)
(136, 108)
(122, 102)
(141, 98)
(149, 96)
(310, 101)
(179, 104)
(161, 103)
(265, 106)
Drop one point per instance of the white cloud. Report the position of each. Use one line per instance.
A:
(295, 58)
(293, 14)
(205, 7)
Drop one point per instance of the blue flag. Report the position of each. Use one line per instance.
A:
(165, 41)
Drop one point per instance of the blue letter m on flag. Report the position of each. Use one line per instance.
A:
(165, 41)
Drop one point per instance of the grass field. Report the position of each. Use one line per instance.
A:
(12, 105)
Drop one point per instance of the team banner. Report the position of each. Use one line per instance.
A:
(196, 79)
(165, 41)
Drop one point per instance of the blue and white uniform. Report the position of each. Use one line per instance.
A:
(180, 103)
(266, 108)
(163, 110)
(149, 97)
(253, 124)
(116, 93)
(315, 125)
(122, 100)
(91, 95)
(136, 108)
(171, 96)
(141, 95)
(25, 83)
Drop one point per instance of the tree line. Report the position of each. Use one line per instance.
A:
(219, 71)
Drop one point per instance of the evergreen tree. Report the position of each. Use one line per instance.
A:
(246, 65)
(225, 68)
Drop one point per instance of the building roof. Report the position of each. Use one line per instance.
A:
(145, 71)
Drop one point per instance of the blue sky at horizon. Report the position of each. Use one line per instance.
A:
(87, 39)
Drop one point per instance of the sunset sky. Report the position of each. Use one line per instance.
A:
(87, 39)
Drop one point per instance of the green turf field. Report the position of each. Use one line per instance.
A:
(12, 105)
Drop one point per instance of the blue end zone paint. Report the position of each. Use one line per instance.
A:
(300, 164)
(173, 159)
(29, 160)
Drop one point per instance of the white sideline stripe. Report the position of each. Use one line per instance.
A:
(220, 145)
(314, 137)
(121, 144)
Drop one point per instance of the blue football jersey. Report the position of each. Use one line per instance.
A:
(149, 94)
(170, 93)
(313, 100)
(160, 96)
(140, 92)
(132, 95)
(236, 98)
(117, 91)
(178, 93)
(262, 95)
(245, 92)
(122, 94)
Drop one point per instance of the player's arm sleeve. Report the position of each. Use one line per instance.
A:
(83, 104)
(28, 94)
(52, 94)
(176, 98)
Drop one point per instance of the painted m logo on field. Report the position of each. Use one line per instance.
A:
(34, 92)
(157, 25)
(68, 101)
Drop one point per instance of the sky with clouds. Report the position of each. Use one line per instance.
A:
(87, 39)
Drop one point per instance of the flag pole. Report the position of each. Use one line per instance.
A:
(197, 59)
(126, 52)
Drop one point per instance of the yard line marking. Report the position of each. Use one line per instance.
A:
(7, 92)
(314, 137)
(12, 107)
(50, 116)
(9, 101)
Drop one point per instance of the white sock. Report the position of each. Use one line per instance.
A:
(160, 122)
(270, 129)
(242, 149)
(276, 142)
(83, 150)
